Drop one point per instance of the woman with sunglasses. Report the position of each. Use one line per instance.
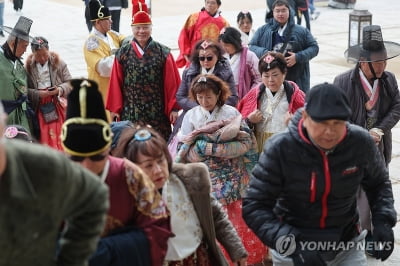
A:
(215, 133)
(197, 219)
(48, 79)
(207, 58)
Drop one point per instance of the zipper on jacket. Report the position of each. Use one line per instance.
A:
(327, 190)
(313, 187)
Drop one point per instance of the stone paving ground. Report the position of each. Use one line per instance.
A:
(62, 23)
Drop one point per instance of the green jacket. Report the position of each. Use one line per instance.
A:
(13, 80)
(40, 190)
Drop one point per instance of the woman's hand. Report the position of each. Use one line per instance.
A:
(255, 116)
(291, 59)
(173, 116)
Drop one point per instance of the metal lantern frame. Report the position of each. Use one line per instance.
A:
(358, 19)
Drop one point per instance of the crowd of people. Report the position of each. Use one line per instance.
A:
(236, 161)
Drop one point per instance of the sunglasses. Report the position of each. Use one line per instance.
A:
(209, 58)
(94, 158)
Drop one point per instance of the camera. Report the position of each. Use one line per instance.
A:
(281, 48)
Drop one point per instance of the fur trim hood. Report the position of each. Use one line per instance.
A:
(54, 59)
(195, 177)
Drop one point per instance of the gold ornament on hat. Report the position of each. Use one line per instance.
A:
(100, 13)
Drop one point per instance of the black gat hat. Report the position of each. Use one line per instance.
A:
(85, 131)
(21, 29)
(327, 101)
(373, 48)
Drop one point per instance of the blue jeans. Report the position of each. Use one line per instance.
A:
(311, 6)
(1, 16)
(18, 4)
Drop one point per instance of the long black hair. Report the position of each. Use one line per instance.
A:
(232, 36)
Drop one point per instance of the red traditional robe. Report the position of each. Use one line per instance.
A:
(129, 74)
(198, 26)
(50, 132)
(134, 201)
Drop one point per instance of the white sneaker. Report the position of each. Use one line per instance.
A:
(315, 15)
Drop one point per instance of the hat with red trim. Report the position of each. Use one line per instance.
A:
(140, 13)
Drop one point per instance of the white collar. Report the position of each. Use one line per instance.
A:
(281, 30)
(204, 71)
(104, 174)
(105, 37)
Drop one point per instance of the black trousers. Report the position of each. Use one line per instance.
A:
(115, 17)
(18, 4)
(89, 24)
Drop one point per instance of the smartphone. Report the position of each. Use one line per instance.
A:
(51, 88)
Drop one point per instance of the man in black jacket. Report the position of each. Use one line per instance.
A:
(301, 200)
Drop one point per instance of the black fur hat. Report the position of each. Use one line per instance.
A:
(85, 131)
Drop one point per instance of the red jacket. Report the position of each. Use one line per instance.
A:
(250, 101)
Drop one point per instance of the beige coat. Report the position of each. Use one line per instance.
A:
(214, 221)
(59, 74)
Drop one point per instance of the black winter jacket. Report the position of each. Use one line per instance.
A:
(297, 188)
(388, 105)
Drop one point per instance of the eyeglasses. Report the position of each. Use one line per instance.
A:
(282, 10)
(94, 158)
(209, 58)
